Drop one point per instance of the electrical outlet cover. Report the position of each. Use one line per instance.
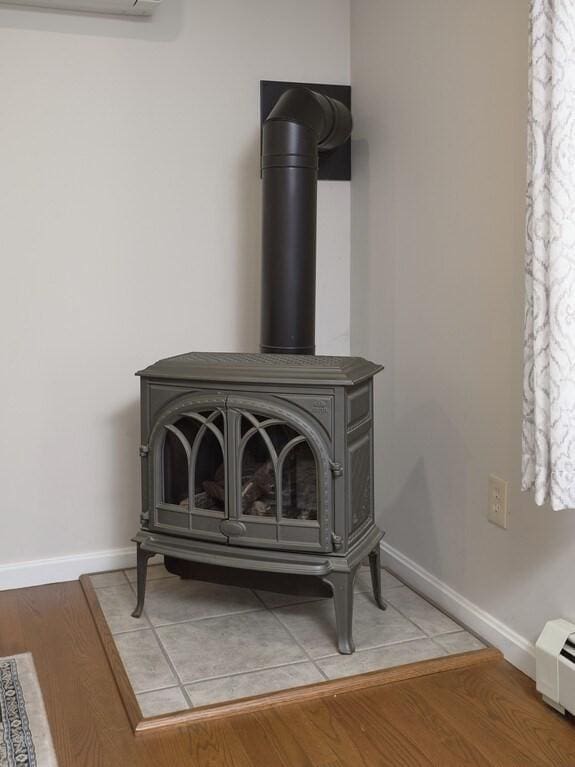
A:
(497, 511)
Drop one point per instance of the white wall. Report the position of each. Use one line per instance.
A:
(129, 193)
(130, 230)
(437, 240)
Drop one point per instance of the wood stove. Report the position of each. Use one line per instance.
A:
(263, 462)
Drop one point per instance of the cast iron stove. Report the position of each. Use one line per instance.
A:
(263, 462)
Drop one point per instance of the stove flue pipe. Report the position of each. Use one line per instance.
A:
(301, 124)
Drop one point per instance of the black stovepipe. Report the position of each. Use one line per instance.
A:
(301, 124)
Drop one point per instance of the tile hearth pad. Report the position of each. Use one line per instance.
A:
(199, 643)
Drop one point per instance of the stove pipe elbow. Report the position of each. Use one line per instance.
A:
(301, 124)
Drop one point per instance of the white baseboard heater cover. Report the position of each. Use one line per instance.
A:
(555, 665)
(123, 7)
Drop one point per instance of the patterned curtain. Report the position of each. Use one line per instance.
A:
(549, 354)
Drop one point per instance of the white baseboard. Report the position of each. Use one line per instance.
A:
(516, 649)
(41, 571)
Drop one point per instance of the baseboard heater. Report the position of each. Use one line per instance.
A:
(555, 665)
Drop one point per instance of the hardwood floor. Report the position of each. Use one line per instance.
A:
(488, 714)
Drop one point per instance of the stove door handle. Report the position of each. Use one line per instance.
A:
(232, 528)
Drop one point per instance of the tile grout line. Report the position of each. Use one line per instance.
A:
(363, 649)
(447, 652)
(209, 617)
(186, 696)
(166, 657)
(117, 586)
(160, 578)
(449, 633)
(159, 689)
(383, 591)
(189, 620)
(361, 595)
(301, 647)
(128, 631)
(452, 633)
(125, 574)
(462, 627)
(250, 671)
(410, 620)
(381, 647)
(290, 604)
(133, 585)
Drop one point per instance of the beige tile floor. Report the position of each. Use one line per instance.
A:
(199, 643)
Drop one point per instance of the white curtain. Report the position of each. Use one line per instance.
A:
(549, 354)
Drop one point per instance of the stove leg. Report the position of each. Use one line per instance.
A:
(143, 557)
(375, 568)
(342, 588)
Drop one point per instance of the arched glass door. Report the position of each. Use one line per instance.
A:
(241, 469)
(278, 481)
(191, 486)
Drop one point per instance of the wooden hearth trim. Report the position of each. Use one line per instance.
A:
(125, 689)
(320, 690)
(255, 703)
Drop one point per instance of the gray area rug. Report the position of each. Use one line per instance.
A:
(25, 739)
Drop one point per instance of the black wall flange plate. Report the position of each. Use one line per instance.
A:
(334, 165)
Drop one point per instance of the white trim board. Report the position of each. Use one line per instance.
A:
(38, 572)
(516, 649)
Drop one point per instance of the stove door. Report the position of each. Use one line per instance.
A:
(279, 478)
(189, 469)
